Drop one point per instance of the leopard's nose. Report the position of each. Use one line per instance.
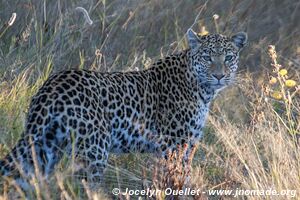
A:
(218, 76)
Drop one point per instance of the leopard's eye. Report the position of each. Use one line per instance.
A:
(207, 58)
(228, 58)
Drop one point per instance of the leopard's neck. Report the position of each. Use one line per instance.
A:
(177, 68)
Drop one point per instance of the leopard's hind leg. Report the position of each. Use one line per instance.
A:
(93, 150)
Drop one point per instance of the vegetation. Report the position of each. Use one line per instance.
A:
(251, 140)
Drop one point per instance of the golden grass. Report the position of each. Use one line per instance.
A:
(252, 137)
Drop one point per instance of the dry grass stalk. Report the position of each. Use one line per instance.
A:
(61, 186)
(173, 172)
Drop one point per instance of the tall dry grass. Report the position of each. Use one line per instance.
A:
(251, 138)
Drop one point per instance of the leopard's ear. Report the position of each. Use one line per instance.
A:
(239, 39)
(193, 39)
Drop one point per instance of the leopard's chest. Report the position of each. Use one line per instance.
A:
(200, 116)
(188, 115)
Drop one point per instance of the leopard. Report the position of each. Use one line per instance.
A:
(89, 114)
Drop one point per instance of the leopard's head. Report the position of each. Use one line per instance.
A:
(214, 57)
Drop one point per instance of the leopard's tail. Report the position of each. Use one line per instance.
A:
(8, 165)
(13, 167)
(10, 170)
